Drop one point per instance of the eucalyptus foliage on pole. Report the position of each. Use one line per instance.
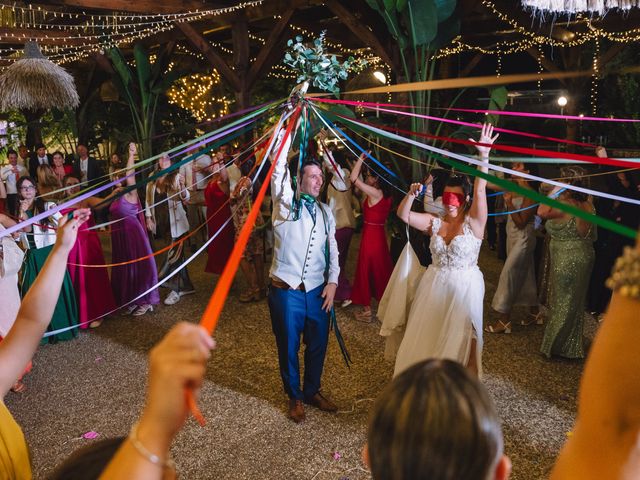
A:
(314, 65)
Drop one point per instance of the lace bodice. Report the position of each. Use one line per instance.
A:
(461, 253)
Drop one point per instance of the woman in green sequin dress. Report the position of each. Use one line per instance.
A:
(572, 256)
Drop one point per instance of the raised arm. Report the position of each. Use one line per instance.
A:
(38, 304)
(374, 194)
(479, 210)
(339, 180)
(419, 221)
(604, 443)
(177, 363)
(131, 180)
(281, 190)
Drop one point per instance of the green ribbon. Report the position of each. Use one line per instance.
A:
(508, 185)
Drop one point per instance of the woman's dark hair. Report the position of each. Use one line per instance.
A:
(88, 462)
(58, 152)
(462, 181)
(434, 421)
(38, 202)
(575, 176)
(384, 182)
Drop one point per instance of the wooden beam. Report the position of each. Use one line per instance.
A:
(268, 53)
(471, 65)
(102, 62)
(610, 54)
(200, 43)
(139, 6)
(359, 30)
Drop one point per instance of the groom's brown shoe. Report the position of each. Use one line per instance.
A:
(322, 403)
(296, 410)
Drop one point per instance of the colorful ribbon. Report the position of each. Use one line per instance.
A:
(459, 162)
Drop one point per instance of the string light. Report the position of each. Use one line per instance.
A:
(112, 32)
(196, 93)
(594, 79)
(540, 69)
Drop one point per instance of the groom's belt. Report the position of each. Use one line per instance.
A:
(285, 286)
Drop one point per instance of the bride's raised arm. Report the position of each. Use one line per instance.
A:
(479, 210)
(419, 221)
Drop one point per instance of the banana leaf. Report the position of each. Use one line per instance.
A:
(421, 17)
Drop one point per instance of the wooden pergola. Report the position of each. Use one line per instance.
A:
(254, 38)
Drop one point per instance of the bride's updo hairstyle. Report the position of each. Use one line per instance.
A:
(434, 421)
(576, 176)
(462, 181)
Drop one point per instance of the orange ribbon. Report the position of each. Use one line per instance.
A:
(211, 314)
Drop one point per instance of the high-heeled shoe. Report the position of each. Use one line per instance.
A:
(537, 319)
(503, 328)
(142, 309)
(254, 295)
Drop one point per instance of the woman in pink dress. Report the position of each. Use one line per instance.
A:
(92, 286)
(374, 260)
(216, 196)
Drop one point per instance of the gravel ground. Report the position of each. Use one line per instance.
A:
(96, 383)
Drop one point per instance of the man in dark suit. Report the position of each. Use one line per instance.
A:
(41, 157)
(87, 168)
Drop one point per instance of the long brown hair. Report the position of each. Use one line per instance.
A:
(166, 183)
(434, 421)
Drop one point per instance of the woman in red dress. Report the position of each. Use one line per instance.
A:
(374, 260)
(60, 169)
(216, 197)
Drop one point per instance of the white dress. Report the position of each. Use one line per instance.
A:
(395, 304)
(9, 294)
(517, 285)
(446, 314)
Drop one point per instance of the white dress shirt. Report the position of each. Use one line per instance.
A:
(84, 168)
(196, 172)
(339, 196)
(10, 178)
(299, 246)
(177, 214)
(234, 176)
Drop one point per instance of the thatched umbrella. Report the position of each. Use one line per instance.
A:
(34, 84)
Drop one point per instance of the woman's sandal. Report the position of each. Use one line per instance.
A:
(251, 296)
(364, 316)
(503, 328)
(18, 387)
(142, 309)
(537, 319)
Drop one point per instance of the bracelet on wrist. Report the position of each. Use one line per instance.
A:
(142, 450)
(625, 277)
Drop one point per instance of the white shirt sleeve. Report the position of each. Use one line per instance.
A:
(334, 265)
(339, 176)
(281, 190)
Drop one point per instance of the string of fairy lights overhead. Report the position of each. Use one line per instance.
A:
(67, 37)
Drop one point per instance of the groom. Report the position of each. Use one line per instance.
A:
(304, 277)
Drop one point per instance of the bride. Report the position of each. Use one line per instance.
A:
(445, 320)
